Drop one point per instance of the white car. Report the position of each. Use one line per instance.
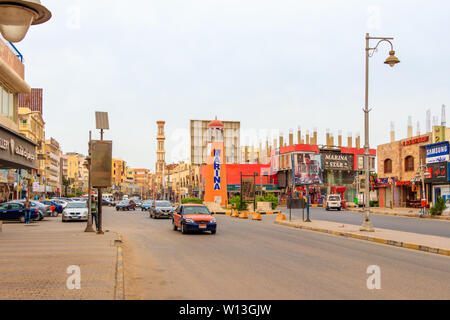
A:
(75, 211)
(334, 202)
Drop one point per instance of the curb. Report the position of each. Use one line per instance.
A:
(271, 212)
(218, 212)
(406, 245)
(405, 215)
(119, 290)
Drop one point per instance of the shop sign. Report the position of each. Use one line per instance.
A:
(403, 183)
(3, 176)
(337, 161)
(16, 151)
(438, 152)
(438, 172)
(248, 189)
(415, 141)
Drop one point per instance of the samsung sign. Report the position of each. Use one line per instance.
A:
(438, 152)
(216, 169)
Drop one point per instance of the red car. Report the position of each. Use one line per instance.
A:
(193, 217)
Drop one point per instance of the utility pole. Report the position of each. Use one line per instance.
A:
(89, 159)
(99, 201)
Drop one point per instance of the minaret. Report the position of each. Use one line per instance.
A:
(160, 153)
(410, 127)
(428, 120)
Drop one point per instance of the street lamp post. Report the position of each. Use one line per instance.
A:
(392, 60)
(421, 175)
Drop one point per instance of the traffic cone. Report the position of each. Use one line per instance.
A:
(280, 217)
(243, 215)
(257, 216)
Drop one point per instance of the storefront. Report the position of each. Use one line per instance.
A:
(338, 172)
(16, 152)
(439, 181)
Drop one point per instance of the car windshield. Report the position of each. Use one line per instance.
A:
(148, 201)
(76, 205)
(124, 202)
(163, 204)
(334, 198)
(195, 210)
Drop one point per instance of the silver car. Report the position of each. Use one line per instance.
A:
(75, 211)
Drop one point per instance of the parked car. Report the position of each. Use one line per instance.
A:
(138, 203)
(161, 209)
(55, 207)
(333, 202)
(14, 211)
(63, 203)
(126, 205)
(44, 209)
(193, 217)
(75, 211)
(109, 203)
(146, 205)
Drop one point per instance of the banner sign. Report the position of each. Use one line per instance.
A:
(306, 169)
(248, 189)
(337, 161)
(438, 152)
(217, 160)
(101, 163)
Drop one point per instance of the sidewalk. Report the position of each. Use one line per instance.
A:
(34, 260)
(402, 212)
(427, 243)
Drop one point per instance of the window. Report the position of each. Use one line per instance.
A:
(388, 166)
(409, 163)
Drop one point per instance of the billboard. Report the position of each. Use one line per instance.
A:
(101, 163)
(438, 152)
(306, 169)
(438, 172)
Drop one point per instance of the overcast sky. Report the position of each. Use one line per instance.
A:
(269, 64)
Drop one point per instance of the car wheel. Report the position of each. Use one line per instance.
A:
(22, 219)
(54, 214)
(213, 232)
(117, 209)
(175, 228)
(183, 229)
(328, 209)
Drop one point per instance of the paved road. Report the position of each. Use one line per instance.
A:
(416, 225)
(260, 260)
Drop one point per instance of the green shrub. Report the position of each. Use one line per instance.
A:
(374, 204)
(268, 198)
(237, 204)
(439, 207)
(192, 200)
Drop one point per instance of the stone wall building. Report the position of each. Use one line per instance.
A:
(398, 163)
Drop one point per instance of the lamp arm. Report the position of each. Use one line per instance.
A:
(376, 47)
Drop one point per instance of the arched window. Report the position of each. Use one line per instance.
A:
(388, 166)
(409, 163)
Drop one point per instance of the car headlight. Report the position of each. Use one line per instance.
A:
(213, 220)
(189, 221)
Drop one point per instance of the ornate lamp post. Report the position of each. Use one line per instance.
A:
(392, 60)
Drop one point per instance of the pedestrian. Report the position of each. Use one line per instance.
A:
(94, 212)
(27, 210)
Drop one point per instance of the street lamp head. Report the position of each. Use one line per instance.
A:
(17, 16)
(392, 60)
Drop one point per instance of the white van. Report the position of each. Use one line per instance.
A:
(334, 202)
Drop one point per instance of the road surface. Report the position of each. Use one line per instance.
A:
(260, 260)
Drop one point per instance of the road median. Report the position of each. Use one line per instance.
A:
(407, 240)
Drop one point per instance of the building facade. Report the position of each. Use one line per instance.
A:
(398, 164)
(17, 152)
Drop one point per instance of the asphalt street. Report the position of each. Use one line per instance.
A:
(249, 259)
(424, 226)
